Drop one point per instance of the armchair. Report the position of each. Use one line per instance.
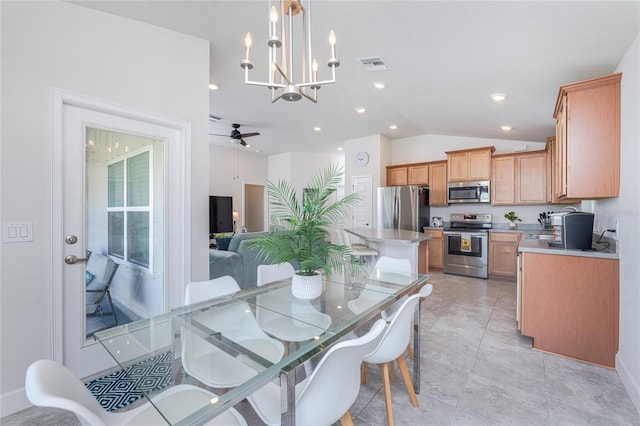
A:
(100, 271)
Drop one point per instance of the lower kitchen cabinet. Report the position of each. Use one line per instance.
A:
(503, 252)
(569, 305)
(435, 248)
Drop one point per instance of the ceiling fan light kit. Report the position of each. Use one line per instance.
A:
(286, 88)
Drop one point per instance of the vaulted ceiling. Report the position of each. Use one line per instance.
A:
(445, 58)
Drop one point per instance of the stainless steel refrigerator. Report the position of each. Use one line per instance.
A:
(403, 207)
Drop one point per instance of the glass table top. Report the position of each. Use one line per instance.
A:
(235, 344)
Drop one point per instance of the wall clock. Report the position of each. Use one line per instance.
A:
(362, 158)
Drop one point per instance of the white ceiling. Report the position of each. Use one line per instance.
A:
(445, 59)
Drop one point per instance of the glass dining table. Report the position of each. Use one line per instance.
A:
(253, 337)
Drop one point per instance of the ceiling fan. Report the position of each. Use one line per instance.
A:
(236, 136)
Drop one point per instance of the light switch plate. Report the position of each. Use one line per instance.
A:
(17, 232)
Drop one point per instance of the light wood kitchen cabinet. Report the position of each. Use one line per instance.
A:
(503, 252)
(469, 164)
(531, 178)
(519, 178)
(503, 184)
(587, 148)
(570, 305)
(435, 248)
(418, 174)
(552, 197)
(397, 176)
(438, 183)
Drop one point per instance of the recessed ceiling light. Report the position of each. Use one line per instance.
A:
(361, 110)
(214, 86)
(378, 85)
(498, 97)
(317, 129)
(506, 128)
(393, 127)
(340, 149)
(258, 150)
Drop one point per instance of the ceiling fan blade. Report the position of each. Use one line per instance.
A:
(242, 142)
(248, 135)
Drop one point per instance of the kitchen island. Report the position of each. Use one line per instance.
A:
(397, 243)
(568, 300)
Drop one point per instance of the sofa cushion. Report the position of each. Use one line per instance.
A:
(223, 262)
(237, 239)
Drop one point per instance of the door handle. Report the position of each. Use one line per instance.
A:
(71, 259)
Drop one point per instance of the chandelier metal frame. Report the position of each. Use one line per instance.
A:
(286, 88)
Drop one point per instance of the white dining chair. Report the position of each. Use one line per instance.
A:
(50, 384)
(198, 291)
(391, 347)
(270, 273)
(326, 395)
(386, 264)
(235, 321)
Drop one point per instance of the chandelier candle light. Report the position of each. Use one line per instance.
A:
(286, 88)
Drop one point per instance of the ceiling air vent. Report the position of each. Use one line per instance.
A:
(374, 63)
(214, 119)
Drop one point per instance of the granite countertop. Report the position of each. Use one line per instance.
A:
(389, 235)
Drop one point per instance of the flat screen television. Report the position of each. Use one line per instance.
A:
(220, 214)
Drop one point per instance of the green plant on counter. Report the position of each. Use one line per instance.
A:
(512, 217)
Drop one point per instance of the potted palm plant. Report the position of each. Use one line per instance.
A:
(298, 230)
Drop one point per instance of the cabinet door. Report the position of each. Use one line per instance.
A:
(418, 175)
(531, 178)
(458, 167)
(435, 249)
(480, 165)
(396, 176)
(503, 252)
(438, 184)
(593, 142)
(560, 149)
(503, 184)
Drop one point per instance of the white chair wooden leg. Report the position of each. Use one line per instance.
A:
(384, 370)
(407, 381)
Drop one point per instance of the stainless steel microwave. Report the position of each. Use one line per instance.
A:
(468, 192)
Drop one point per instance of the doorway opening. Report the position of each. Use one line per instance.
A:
(254, 208)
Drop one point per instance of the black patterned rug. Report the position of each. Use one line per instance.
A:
(121, 388)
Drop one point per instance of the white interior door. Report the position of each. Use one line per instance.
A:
(362, 216)
(135, 233)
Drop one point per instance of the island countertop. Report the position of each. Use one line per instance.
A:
(398, 236)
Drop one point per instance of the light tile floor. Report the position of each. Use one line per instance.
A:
(476, 370)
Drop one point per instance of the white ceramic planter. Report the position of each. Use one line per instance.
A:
(306, 286)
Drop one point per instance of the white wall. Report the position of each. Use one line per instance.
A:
(625, 210)
(231, 169)
(49, 45)
(433, 147)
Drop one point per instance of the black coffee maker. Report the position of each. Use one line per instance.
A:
(572, 230)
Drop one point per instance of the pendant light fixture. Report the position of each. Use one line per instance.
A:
(282, 73)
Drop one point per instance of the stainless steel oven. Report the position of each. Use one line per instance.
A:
(466, 245)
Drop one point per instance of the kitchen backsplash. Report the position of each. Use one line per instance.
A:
(528, 214)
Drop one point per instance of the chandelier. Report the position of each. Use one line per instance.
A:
(281, 70)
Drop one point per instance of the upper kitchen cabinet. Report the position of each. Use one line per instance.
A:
(418, 174)
(396, 175)
(519, 178)
(587, 146)
(469, 164)
(438, 183)
(552, 196)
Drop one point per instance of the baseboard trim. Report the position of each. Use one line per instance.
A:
(629, 382)
(12, 402)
